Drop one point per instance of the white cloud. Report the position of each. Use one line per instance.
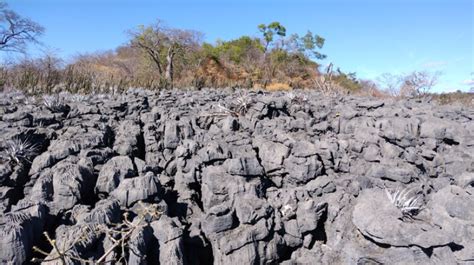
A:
(468, 82)
(434, 64)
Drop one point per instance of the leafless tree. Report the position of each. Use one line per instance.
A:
(151, 41)
(416, 83)
(179, 42)
(162, 44)
(49, 66)
(419, 83)
(390, 83)
(15, 31)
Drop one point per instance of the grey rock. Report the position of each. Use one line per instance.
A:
(244, 166)
(169, 233)
(171, 135)
(243, 235)
(230, 124)
(369, 104)
(218, 186)
(5, 194)
(442, 129)
(113, 172)
(308, 215)
(291, 181)
(219, 218)
(251, 209)
(372, 153)
(126, 139)
(272, 154)
(5, 172)
(302, 170)
(400, 131)
(403, 174)
(212, 152)
(466, 180)
(41, 162)
(20, 230)
(140, 242)
(67, 238)
(377, 218)
(71, 184)
(304, 149)
(132, 190)
(97, 156)
(104, 212)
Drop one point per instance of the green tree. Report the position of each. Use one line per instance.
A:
(269, 31)
(308, 44)
(237, 51)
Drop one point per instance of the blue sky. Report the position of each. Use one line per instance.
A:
(369, 37)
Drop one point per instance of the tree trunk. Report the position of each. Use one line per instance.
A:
(169, 66)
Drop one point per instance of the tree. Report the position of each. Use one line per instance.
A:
(179, 42)
(162, 44)
(236, 51)
(419, 83)
(270, 31)
(416, 83)
(150, 40)
(389, 83)
(309, 44)
(16, 32)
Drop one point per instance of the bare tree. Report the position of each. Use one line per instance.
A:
(162, 44)
(15, 31)
(49, 66)
(390, 83)
(419, 83)
(179, 42)
(150, 40)
(416, 83)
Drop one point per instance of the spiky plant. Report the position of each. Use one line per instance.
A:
(54, 103)
(242, 104)
(409, 203)
(226, 111)
(238, 107)
(296, 97)
(18, 150)
(78, 98)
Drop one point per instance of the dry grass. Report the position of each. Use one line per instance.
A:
(466, 99)
(276, 86)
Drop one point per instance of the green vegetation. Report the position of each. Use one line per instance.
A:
(161, 57)
(236, 51)
(157, 57)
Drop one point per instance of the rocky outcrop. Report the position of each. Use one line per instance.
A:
(237, 177)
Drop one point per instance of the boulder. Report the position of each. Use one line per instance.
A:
(113, 172)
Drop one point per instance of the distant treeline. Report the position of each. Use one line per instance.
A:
(161, 57)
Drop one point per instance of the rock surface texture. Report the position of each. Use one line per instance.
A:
(237, 177)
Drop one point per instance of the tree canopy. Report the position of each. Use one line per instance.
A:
(17, 32)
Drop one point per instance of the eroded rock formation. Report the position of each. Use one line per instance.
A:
(276, 179)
